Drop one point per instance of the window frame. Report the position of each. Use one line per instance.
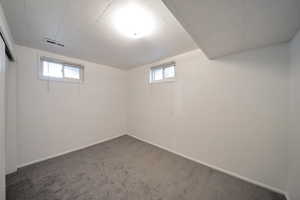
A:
(63, 63)
(163, 67)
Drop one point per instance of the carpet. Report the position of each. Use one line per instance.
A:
(128, 169)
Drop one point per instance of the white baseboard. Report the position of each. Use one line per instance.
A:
(217, 168)
(66, 152)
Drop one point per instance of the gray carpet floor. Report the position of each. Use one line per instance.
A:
(127, 169)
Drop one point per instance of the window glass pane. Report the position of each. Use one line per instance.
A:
(169, 72)
(72, 72)
(157, 74)
(51, 69)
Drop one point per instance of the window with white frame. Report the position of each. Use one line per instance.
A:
(53, 69)
(163, 73)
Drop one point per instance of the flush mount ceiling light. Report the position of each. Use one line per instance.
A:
(133, 21)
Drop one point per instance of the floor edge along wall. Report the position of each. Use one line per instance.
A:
(169, 150)
(66, 152)
(217, 168)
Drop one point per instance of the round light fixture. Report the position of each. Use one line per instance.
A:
(133, 21)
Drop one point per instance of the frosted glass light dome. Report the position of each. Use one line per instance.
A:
(133, 21)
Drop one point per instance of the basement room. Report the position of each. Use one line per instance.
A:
(149, 100)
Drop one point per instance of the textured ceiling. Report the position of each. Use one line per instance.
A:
(221, 27)
(88, 33)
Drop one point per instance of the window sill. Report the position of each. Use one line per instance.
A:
(164, 81)
(61, 80)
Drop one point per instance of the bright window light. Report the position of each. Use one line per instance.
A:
(52, 69)
(133, 21)
(72, 72)
(169, 72)
(157, 74)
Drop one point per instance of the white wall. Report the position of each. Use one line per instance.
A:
(56, 117)
(2, 119)
(230, 113)
(294, 134)
(4, 29)
(11, 129)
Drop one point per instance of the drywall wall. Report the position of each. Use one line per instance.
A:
(11, 129)
(2, 119)
(55, 117)
(230, 113)
(294, 133)
(6, 38)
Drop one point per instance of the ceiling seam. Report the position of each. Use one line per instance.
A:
(60, 23)
(102, 13)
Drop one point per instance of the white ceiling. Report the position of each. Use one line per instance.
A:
(88, 33)
(221, 27)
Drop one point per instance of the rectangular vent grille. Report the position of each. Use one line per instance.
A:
(54, 42)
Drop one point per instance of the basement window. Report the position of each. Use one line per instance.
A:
(162, 73)
(58, 70)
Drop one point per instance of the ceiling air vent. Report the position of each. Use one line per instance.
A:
(53, 42)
